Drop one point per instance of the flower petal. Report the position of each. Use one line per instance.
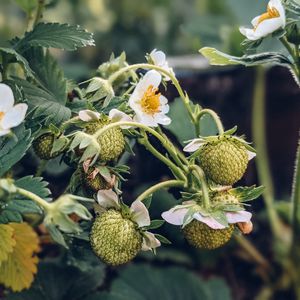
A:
(6, 98)
(239, 216)
(175, 215)
(209, 221)
(88, 115)
(108, 199)
(251, 154)
(162, 119)
(140, 213)
(150, 241)
(194, 145)
(118, 116)
(158, 57)
(15, 116)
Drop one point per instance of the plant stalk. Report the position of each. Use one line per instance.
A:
(262, 161)
(158, 186)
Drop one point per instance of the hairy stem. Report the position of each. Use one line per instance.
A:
(158, 186)
(41, 202)
(295, 250)
(204, 187)
(39, 12)
(165, 142)
(215, 117)
(176, 171)
(262, 161)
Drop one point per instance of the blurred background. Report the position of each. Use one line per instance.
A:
(180, 28)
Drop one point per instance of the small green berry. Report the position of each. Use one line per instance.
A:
(200, 235)
(112, 142)
(43, 146)
(94, 184)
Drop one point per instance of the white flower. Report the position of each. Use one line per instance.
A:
(10, 115)
(196, 144)
(177, 214)
(148, 104)
(139, 214)
(158, 58)
(114, 115)
(267, 22)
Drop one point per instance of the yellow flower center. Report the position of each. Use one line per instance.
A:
(150, 102)
(271, 13)
(1, 115)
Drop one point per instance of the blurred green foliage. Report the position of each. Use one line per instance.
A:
(137, 27)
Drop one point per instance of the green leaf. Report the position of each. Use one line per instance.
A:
(60, 282)
(143, 282)
(35, 185)
(27, 5)
(56, 235)
(247, 193)
(48, 74)
(162, 239)
(147, 201)
(12, 149)
(11, 56)
(219, 58)
(55, 35)
(155, 224)
(44, 103)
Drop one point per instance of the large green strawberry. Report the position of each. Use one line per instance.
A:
(114, 238)
(224, 160)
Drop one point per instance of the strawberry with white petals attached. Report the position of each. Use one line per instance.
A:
(112, 142)
(118, 233)
(223, 158)
(203, 228)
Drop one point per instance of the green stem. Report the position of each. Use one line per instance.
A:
(295, 250)
(41, 168)
(67, 123)
(158, 186)
(180, 160)
(39, 12)
(215, 117)
(44, 204)
(204, 187)
(181, 93)
(260, 138)
(163, 140)
(294, 53)
(176, 171)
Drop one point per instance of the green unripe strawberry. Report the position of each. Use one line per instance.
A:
(224, 160)
(115, 239)
(200, 235)
(94, 184)
(112, 142)
(43, 145)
